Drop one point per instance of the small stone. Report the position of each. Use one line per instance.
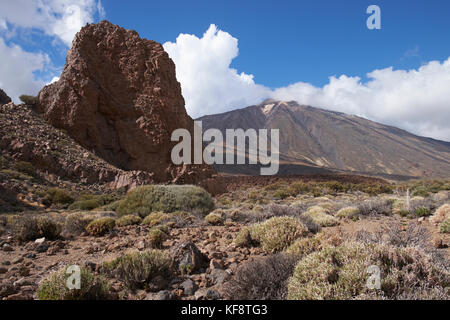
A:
(41, 248)
(215, 264)
(17, 260)
(7, 247)
(40, 240)
(30, 256)
(6, 263)
(157, 283)
(164, 295)
(3, 270)
(206, 294)
(189, 287)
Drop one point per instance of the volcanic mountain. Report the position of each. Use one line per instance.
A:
(314, 140)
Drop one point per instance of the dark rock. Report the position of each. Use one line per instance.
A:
(188, 258)
(188, 287)
(4, 99)
(165, 295)
(207, 294)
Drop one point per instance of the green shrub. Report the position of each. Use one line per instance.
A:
(348, 212)
(157, 236)
(146, 199)
(13, 174)
(29, 100)
(25, 167)
(321, 217)
(277, 233)
(175, 219)
(48, 228)
(445, 226)
(91, 287)
(214, 219)
(342, 273)
(420, 191)
(77, 222)
(422, 212)
(100, 226)
(90, 202)
(128, 220)
(244, 238)
(138, 269)
(58, 196)
(281, 194)
(304, 246)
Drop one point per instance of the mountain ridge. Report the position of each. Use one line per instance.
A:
(335, 140)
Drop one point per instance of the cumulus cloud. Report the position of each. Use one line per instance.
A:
(60, 20)
(415, 100)
(208, 83)
(56, 18)
(16, 70)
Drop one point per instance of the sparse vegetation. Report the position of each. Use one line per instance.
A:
(25, 167)
(92, 287)
(58, 196)
(348, 212)
(100, 227)
(341, 273)
(77, 222)
(48, 228)
(128, 220)
(262, 279)
(156, 237)
(445, 226)
(29, 100)
(320, 216)
(214, 219)
(275, 234)
(147, 199)
(138, 269)
(90, 202)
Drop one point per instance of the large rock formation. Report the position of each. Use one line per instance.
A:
(118, 96)
(4, 99)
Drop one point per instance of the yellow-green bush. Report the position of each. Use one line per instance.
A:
(445, 226)
(137, 269)
(214, 219)
(55, 287)
(167, 198)
(25, 228)
(304, 246)
(100, 227)
(342, 273)
(174, 219)
(321, 217)
(348, 212)
(157, 236)
(276, 234)
(128, 220)
(90, 202)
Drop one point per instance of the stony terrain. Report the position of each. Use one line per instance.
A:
(214, 246)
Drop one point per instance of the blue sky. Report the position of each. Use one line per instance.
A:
(281, 49)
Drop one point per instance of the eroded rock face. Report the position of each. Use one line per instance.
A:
(4, 99)
(119, 97)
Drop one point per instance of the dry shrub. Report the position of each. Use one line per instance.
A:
(441, 214)
(375, 207)
(320, 216)
(275, 234)
(128, 220)
(342, 273)
(261, 279)
(100, 226)
(137, 269)
(76, 223)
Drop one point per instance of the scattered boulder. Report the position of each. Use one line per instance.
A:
(188, 287)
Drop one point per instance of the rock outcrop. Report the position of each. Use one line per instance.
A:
(4, 99)
(118, 96)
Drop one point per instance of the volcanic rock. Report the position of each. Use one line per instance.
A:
(4, 99)
(118, 96)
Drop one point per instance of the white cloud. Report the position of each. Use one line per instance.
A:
(208, 83)
(56, 18)
(16, 70)
(59, 19)
(415, 100)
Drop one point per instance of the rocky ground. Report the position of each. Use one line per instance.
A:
(23, 265)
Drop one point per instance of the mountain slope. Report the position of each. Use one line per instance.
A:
(326, 139)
